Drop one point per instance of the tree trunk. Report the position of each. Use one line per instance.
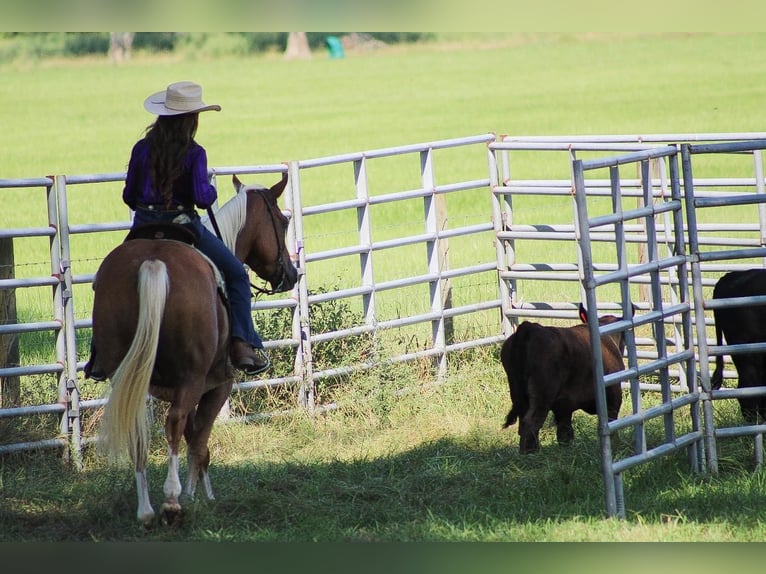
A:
(120, 45)
(297, 46)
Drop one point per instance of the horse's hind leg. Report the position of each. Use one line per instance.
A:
(145, 511)
(197, 436)
(174, 426)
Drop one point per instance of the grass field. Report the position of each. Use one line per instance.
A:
(83, 117)
(432, 465)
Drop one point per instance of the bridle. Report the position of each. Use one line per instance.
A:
(280, 255)
(280, 249)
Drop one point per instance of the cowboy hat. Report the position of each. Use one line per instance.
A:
(178, 98)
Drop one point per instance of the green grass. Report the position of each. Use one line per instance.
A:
(276, 110)
(431, 465)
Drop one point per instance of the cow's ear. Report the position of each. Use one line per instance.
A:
(583, 314)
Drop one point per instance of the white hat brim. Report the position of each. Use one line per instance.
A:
(155, 104)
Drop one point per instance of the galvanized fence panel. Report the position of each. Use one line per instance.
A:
(423, 237)
(51, 370)
(659, 279)
(673, 436)
(695, 204)
(521, 278)
(431, 267)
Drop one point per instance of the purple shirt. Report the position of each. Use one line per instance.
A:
(191, 188)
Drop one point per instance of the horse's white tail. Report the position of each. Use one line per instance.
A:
(125, 425)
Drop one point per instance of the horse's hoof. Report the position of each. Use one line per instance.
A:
(146, 519)
(171, 514)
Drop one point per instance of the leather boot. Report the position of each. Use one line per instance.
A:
(245, 358)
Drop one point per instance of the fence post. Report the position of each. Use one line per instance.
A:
(304, 360)
(10, 389)
(441, 219)
(436, 221)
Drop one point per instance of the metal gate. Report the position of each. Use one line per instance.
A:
(699, 256)
(666, 259)
(675, 252)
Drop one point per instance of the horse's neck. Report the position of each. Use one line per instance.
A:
(230, 218)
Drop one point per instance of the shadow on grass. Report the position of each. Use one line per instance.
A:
(463, 488)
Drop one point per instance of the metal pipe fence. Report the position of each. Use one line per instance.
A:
(434, 260)
(422, 299)
(698, 433)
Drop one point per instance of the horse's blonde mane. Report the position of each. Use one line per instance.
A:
(230, 218)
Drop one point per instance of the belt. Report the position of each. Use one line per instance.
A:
(161, 208)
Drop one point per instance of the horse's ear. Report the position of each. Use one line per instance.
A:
(236, 183)
(583, 314)
(277, 189)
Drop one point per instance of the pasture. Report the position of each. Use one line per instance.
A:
(431, 464)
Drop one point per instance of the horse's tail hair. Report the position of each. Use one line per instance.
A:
(125, 425)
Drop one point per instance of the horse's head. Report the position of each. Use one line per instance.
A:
(261, 241)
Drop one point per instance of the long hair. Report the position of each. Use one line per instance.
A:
(169, 138)
(124, 426)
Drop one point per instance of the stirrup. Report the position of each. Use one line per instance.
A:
(263, 364)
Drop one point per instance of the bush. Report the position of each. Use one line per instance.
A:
(42, 45)
(15, 45)
(155, 41)
(326, 317)
(80, 44)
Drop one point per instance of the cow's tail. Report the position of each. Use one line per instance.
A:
(511, 419)
(716, 380)
(515, 364)
(125, 425)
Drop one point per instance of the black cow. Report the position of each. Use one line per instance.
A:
(551, 369)
(741, 325)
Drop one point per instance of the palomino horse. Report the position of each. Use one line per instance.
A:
(161, 327)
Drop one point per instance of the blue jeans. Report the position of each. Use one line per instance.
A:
(232, 269)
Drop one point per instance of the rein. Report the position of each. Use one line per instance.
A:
(280, 252)
(280, 258)
(214, 223)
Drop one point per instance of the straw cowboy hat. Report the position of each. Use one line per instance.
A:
(178, 98)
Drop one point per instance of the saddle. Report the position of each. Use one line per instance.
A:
(177, 232)
(163, 230)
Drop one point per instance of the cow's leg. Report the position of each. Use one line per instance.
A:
(761, 409)
(749, 373)
(564, 430)
(529, 429)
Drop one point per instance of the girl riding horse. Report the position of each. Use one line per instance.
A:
(166, 180)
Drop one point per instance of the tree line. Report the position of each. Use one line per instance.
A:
(46, 44)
